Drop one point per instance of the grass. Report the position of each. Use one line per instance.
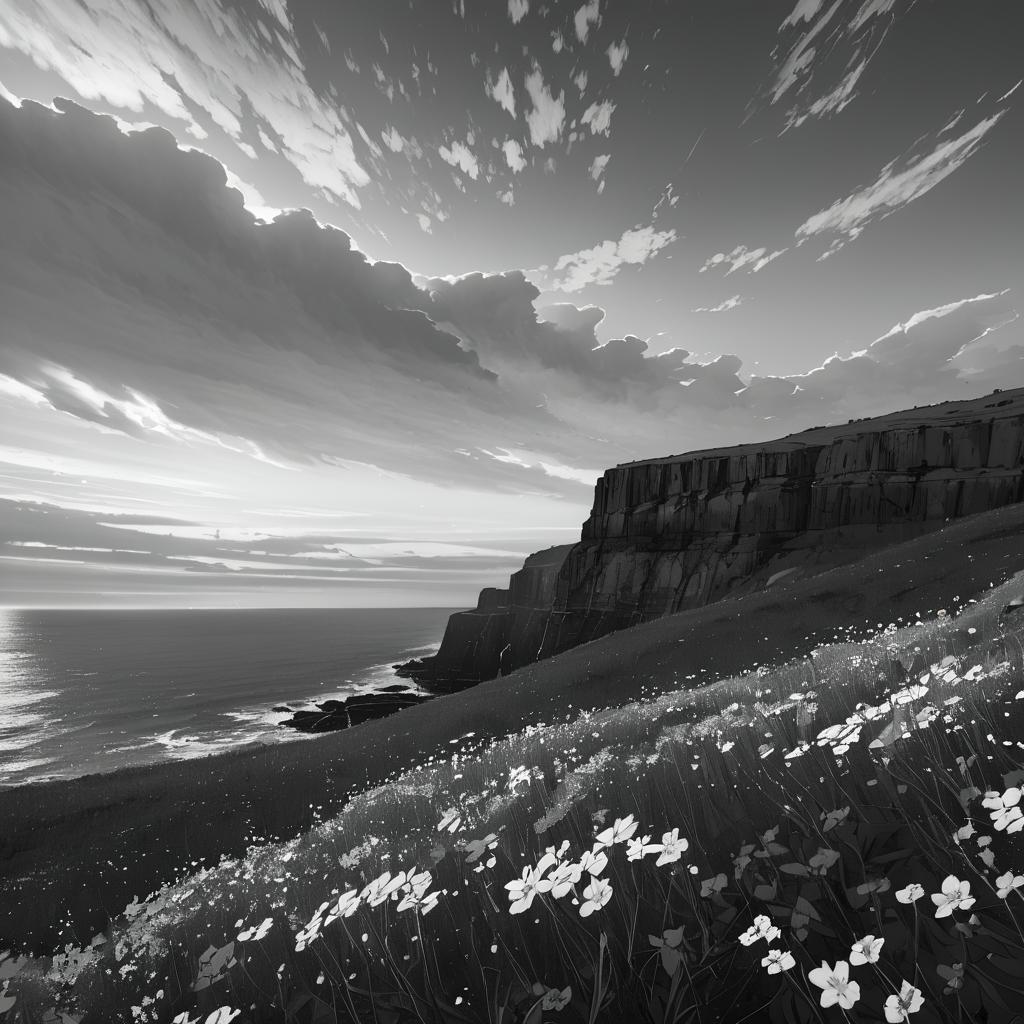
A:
(812, 798)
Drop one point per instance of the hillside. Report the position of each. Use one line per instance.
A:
(62, 848)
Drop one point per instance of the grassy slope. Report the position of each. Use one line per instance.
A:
(58, 838)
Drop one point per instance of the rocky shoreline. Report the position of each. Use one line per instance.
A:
(332, 715)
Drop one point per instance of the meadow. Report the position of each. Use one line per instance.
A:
(837, 837)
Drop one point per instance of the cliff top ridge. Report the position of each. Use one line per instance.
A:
(1003, 403)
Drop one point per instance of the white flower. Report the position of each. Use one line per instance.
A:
(594, 861)
(899, 1007)
(256, 933)
(955, 894)
(778, 960)
(866, 951)
(622, 830)
(835, 984)
(911, 894)
(1005, 812)
(762, 928)
(522, 891)
(376, 892)
(345, 906)
(672, 848)
(223, 1016)
(597, 894)
(561, 879)
(637, 849)
(1005, 884)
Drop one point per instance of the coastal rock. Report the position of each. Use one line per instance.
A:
(331, 715)
(682, 531)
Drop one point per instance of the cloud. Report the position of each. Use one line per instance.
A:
(547, 118)
(513, 155)
(393, 140)
(172, 353)
(517, 10)
(225, 62)
(894, 188)
(587, 15)
(825, 56)
(599, 165)
(741, 256)
(599, 117)
(600, 265)
(617, 54)
(730, 303)
(502, 91)
(461, 156)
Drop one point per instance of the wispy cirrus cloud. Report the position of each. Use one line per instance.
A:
(825, 52)
(740, 257)
(898, 183)
(726, 304)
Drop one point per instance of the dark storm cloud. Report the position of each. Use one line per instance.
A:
(142, 296)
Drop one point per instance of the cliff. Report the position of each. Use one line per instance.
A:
(679, 532)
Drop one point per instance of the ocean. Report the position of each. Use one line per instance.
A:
(85, 691)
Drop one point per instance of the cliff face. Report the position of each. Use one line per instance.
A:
(673, 533)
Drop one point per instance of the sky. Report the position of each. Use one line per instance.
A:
(350, 303)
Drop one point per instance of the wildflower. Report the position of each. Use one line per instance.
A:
(522, 891)
(1005, 884)
(668, 945)
(900, 1007)
(223, 1016)
(955, 895)
(822, 861)
(911, 894)
(866, 951)
(833, 818)
(377, 891)
(637, 849)
(762, 928)
(742, 859)
(345, 906)
(561, 879)
(594, 861)
(1005, 812)
(712, 885)
(874, 885)
(427, 904)
(622, 830)
(257, 933)
(597, 894)
(964, 832)
(778, 960)
(672, 848)
(835, 984)
(517, 776)
(555, 1000)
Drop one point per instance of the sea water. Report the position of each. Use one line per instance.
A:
(85, 691)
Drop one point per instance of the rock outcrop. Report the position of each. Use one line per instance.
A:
(678, 532)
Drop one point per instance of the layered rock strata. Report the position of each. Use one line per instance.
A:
(678, 532)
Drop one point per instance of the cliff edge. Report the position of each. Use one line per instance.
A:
(673, 533)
